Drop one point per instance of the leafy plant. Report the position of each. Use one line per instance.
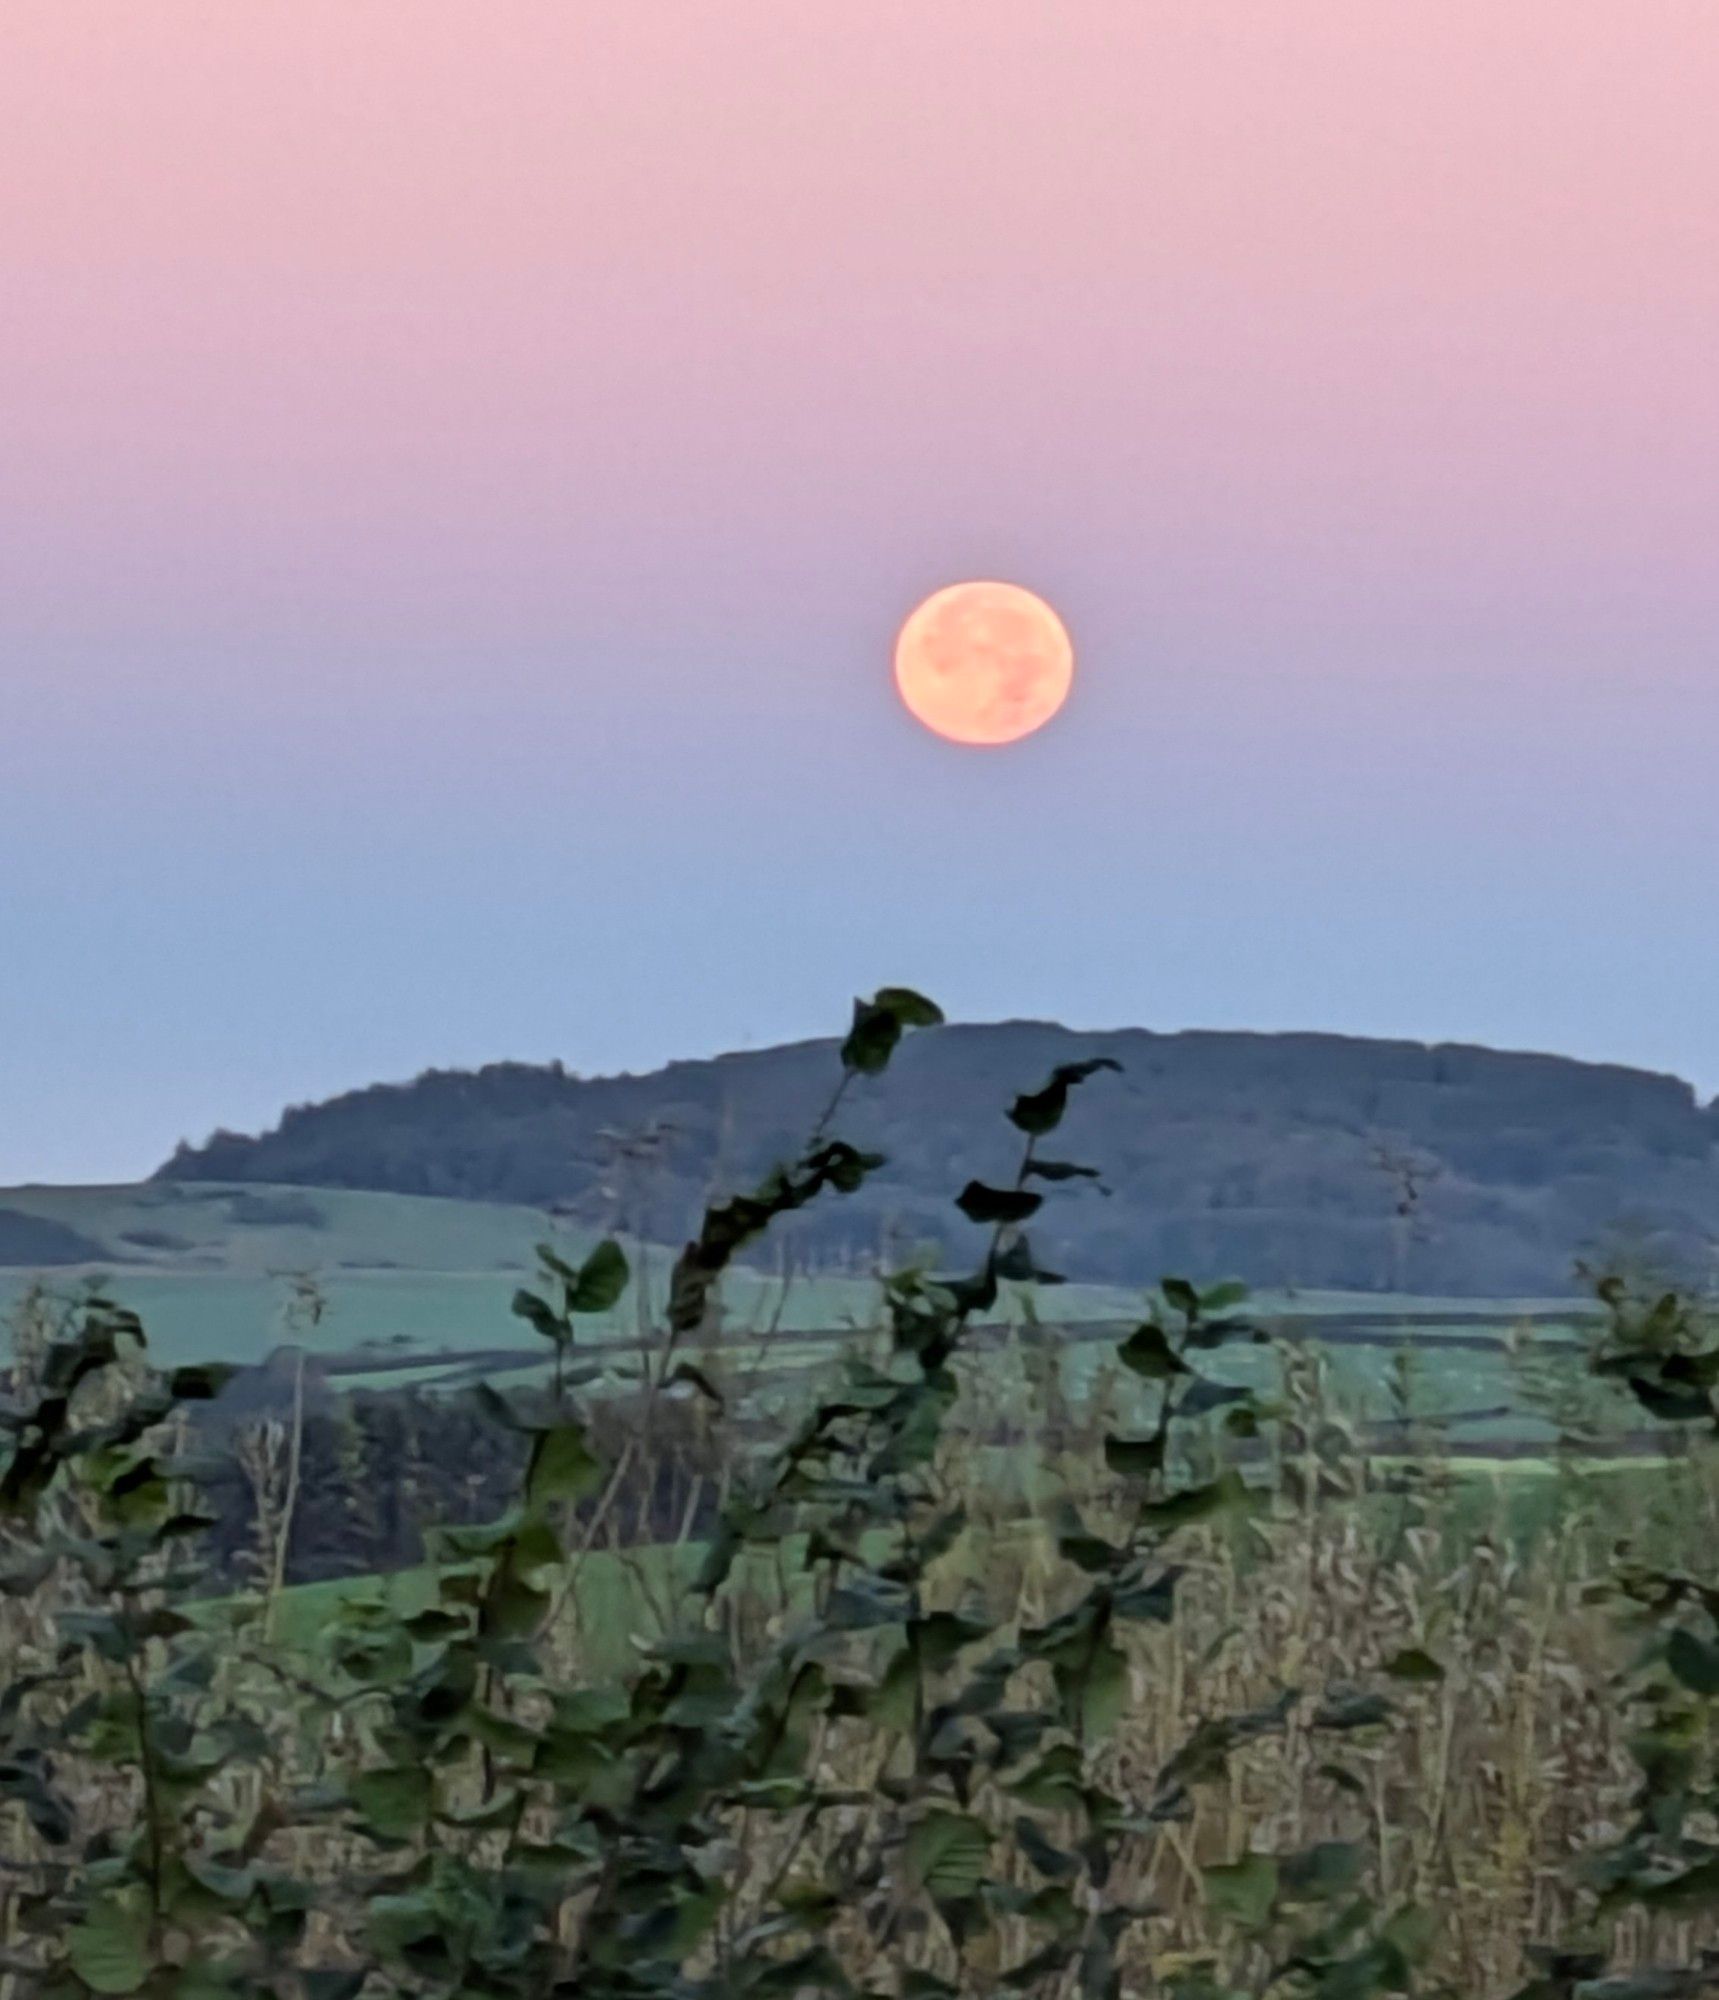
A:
(896, 1784)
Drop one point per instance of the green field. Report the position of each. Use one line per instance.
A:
(216, 1274)
(212, 1268)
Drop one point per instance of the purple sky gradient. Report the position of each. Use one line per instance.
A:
(462, 471)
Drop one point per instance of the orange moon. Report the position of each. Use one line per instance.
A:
(984, 663)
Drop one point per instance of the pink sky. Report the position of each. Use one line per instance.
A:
(396, 387)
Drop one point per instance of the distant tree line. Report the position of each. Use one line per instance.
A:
(1281, 1155)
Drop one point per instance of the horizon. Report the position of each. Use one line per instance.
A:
(1702, 1102)
(467, 478)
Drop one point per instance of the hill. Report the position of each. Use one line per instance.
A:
(1311, 1160)
(41, 1242)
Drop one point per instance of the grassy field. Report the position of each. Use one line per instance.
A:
(241, 1314)
(415, 1290)
(212, 1268)
(433, 1319)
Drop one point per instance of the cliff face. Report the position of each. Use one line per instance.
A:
(1308, 1159)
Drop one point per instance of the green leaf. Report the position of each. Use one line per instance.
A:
(1414, 1664)
(946, 1853)
(1053, 1783)
(695, 1378)
(1222, 1495)
(910, 1009)
(1200, 1398)
(1408, 1930)
(879, 1024)
(501, 1409)
(1040, 1111)
(586, 1710)
(940, 1635)
(1243, 1890)
(379, 1659)
(1350, 1709)
(1209, 1333)
(1018, 1265)
(1180, 1296)
(395, 1802)
(1329, 1868)
(563, 1466)
(222, 1979)
(513, 1606)
(1095, 1692)
(1147, 1351)
(1060, 1170)
(1695, 1888)
(200, 1382)
(541, 1315)
(333, 1985)
(1205, 1754)
(225, 1881)
(980, 1203)
(1091, 1553)
(556, 1265)
(601, 1281)
(895, 1698)
(581, 1768)
(1694, 1661)
(1049, 1859)
(1154, 1601)
(971, 1295)
(109, 1950)
(101, 1631)
(1039, 1973)
(1671, 1404)
(1134, 1458)
(434, 1623)
(1223, 1298)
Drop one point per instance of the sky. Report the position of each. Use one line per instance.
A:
(462, 469)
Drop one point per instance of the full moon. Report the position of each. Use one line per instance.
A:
(984, 663)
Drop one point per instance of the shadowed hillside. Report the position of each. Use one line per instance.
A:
(41, 1243)
(1299, 1159)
